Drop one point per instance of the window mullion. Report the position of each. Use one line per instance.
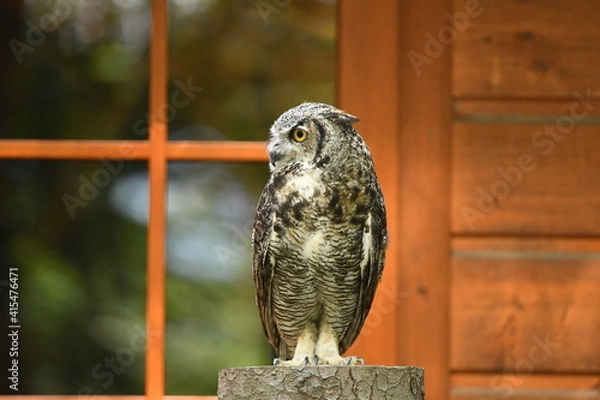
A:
(156, 264)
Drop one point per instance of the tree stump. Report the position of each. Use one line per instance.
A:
(364, 382)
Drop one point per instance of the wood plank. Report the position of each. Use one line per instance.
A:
(526, 178)
(530, 387)
(526, 305)
(370, 91)
(527, 49)
(425, 198)
(530, 111)
(419, 296)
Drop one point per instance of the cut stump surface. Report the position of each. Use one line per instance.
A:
(364, 382)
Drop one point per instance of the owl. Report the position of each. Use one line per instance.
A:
(319, 237)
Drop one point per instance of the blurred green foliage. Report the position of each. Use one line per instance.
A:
(78, 69)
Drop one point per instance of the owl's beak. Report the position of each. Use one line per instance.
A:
(275, 156)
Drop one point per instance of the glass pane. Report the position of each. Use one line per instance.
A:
(73, 68)
(76, 258)
(212, 320)
(236, 65)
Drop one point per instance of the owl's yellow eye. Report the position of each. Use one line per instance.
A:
(299, 135)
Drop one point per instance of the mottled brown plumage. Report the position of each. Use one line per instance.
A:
(319, 236)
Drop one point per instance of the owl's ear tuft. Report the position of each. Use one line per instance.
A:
(342, 117)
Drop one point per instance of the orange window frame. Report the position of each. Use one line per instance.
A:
(377, 114)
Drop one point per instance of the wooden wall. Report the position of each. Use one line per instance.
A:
(525, 201)
(491, 171)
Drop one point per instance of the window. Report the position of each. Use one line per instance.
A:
(128, 224)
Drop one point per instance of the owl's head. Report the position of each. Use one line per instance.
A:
(301, 133)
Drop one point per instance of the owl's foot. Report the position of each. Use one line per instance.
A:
(294, 362)
(327, 350)
(304, 351)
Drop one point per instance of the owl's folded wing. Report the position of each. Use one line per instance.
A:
(263, 268)
(374, 244)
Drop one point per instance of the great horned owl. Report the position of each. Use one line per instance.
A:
(319, 236)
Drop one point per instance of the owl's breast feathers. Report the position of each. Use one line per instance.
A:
(311, 199)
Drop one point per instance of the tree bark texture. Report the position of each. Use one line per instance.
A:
(364, 382)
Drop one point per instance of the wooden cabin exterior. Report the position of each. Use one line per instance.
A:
(482, 117)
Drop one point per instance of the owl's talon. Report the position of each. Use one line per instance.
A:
(354, 361)
(316, 359)
(294, 362)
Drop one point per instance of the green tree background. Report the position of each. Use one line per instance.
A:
(78, 69)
